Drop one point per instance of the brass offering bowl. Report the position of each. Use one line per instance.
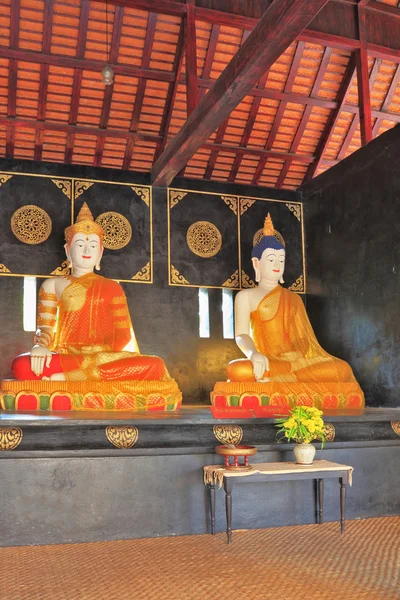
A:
(236, 452)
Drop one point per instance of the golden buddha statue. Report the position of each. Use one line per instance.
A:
(85, 334)
(284, 364)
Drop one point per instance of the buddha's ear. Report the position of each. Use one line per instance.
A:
(66, 248)
(256, 266)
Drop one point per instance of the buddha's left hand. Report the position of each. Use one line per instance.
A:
(260, 365)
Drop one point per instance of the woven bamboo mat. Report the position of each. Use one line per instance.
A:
(290, 563)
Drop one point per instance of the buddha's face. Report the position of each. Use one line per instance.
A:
(84, 251)
(271, 265)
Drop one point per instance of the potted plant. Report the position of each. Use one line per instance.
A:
(303, 425)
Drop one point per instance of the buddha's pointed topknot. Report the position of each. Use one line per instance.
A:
(268, 226)
(85, 214)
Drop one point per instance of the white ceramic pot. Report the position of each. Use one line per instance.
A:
(304, 454)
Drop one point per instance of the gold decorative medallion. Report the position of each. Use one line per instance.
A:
(228, 434)
(232, 202)
(329, 432)
(233, 281)
(245, 203)
(65, 186)
(64, 269)
(260, 233)
(122, 437)
(4, 178)
(246, 281)
(298, 286)
(143, 193)
(295, 209)
(31, 224)
(396, 427)
(3, 269)
(117, 230)
(177, 278)
(81, 186)
(175, 197)
(143, 274)
(10, 437)
(204, 239)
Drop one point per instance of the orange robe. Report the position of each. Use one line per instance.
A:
(282, 332)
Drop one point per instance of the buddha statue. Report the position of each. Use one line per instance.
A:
(284, 364)
(85, 338)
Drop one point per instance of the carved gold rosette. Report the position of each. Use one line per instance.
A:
(31, 224)
(204, 239)
(122, 437)
(228, 434)
(329, 432)
(10, 437)
(117, 230)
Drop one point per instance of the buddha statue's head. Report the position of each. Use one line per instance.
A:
(84, 241)
(268, 255)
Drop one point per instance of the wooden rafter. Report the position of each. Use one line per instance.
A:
(137, 108)
(192, 88)
(331, 123)
(388, 99)
(281, 110)
(364, 95)
(172, 90)
(306, 114)
(44, 76)
(261, 49)
(109, 89)
(12, 77)
(356, 119)
(77, 82)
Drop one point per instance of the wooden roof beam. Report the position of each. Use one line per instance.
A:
(306, 114)
(364, 95)
(44, 76)
(12, 77)
(192, 87)
(264, 45)
(77, 82)
(109, 89)
(356, 118)
(331, 123)
(137, 108)
(281, 110)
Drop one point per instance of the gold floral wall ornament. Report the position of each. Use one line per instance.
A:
(143, 193)
(10, 437)
(232, 281)
(396, 427)
(175, 197)
(329, 432)
(123, 436)
(81, 186)
(64, 269)
(117, 230)
(144, 274)
(228, 434)
(4, 269)
(232, 202)
(204, 239)
(298, 285)
(295, 209)
(65, 186)
(177, 278)
(4, 178)
(247, 282)
(31, 224)
(245, 203)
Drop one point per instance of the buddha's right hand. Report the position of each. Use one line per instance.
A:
(40, 356)
(260, 365)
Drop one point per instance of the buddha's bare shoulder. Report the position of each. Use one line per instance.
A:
(49, 285)
(243, 297)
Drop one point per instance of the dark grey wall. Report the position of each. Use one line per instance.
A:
(165, 318)
(352, 219)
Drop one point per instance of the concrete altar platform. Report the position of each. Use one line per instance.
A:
(72, 477)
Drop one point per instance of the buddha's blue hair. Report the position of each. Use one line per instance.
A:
(267, 241)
